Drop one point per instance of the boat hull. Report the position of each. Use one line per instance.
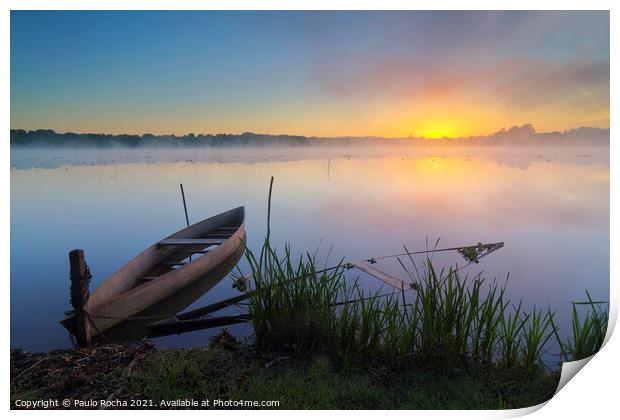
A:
(136, 328)
(122, 297)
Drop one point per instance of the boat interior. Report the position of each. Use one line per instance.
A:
(179, 252)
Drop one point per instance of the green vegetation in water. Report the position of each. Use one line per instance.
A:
(588, 332)
(472, 253)
(450, 323)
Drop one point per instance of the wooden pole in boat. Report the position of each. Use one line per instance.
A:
(184, 205)
(269, 209)
(80, 280)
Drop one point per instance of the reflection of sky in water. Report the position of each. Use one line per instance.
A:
(551, 210)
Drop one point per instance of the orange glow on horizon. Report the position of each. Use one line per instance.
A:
(438, 130)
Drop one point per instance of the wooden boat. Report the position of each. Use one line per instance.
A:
(164, 269)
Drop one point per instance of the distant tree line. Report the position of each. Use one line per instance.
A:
(517, 135)
(52, 138)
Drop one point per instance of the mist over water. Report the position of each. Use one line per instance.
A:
(54, 157)
(550, 205)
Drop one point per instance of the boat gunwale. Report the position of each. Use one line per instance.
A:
(118, 282)
(186, 267)
(193, 270)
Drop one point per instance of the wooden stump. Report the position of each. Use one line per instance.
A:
(80, 280)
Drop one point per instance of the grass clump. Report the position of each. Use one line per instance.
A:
(588, 332)
(449, 323)
(289, 313)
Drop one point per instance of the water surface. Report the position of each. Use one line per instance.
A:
(550, 206)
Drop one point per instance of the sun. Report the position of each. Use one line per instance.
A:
(437, 132)
(438, 129)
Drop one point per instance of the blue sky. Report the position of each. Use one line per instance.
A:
(310, 73)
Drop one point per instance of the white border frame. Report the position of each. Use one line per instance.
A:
(592, 394)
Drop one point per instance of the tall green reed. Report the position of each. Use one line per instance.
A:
(448, 322)
(290, 304)
(587, 332)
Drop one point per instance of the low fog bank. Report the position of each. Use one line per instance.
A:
(524, 135)
(26, 158)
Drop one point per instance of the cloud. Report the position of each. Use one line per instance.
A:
(515, 83)
(523, 83)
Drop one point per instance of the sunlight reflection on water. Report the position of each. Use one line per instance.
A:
(549, 206)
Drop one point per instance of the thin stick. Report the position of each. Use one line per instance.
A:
(177, 327)
(329, 177)
(496, 246)
(184, 205)
(269, 209)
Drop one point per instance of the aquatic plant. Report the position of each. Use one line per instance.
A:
(450, 321)
(472, 253)
(588, 332)
(290, 303)
(537, 330)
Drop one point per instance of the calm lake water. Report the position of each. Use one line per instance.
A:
(549, 205)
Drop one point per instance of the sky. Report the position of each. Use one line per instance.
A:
(390, 74)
